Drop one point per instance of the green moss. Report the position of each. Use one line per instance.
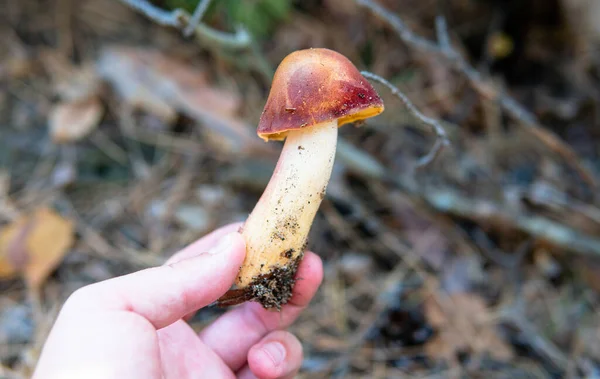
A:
(258, 16)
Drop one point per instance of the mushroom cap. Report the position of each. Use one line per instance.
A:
(313, 86)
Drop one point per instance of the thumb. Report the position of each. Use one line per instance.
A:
(165, 294)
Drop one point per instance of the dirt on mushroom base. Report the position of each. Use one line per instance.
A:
(271, 290)
(274, 289)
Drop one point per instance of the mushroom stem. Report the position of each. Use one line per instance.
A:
(277, 229)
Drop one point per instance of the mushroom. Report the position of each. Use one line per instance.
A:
(314, 91)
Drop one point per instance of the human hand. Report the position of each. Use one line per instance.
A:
(133, 326)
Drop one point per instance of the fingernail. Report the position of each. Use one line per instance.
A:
(223, 245)
(275, 351)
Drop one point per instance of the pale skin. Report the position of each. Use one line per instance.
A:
(134, 326)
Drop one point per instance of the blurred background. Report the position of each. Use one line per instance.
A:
(122, 140)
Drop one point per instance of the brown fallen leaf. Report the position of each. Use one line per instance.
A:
(70, 82)
(129, 71)
(161, 85)
(463, 325)
(71, 121)
(34, 245)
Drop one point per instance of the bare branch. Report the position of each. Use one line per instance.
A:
(156, 14)
(479, 210)
(484, 86)
(182, 20)
(442, 139)
(401, 29)
(196, 17)
(443, 37)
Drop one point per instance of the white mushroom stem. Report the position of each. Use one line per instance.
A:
(277, 229)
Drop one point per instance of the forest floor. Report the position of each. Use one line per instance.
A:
(121, 141)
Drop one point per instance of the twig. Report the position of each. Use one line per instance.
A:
(156, 14)
(182, 20)
(398, 25)
(392, 289)
(442, 139)
(479, 210)
(536, 340)
(441, 28)
(539, 227)
(136, 157)
(484, 86)
(196, 17)
(99, 245)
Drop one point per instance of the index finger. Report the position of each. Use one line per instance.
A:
(164, 294)
(204, 243)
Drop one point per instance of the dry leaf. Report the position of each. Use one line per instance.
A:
(463, 325)
(130, 73)
(70, 82)
(162, 86)
(79, 110)
(34, 245)
(148, 80)
(211, 100)
(74, 120)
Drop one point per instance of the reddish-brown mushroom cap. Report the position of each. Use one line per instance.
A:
(314, 86)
